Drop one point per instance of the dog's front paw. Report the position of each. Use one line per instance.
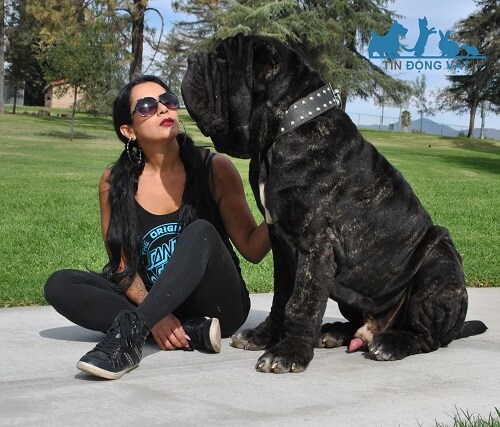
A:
(286, 356)
(253, 339)
(393, 345)
(335, 335)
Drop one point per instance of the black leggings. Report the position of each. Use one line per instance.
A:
(200, 279)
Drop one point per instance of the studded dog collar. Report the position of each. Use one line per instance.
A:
(309, 107)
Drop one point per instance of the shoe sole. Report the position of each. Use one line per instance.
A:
(215, 336)
(102, 373)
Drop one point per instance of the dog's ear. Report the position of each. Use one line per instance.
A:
(266, 64)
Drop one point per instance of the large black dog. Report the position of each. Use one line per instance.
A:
(343, 222)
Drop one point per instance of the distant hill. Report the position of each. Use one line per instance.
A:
(432, 128)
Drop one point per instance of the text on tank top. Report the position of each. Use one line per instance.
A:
(159, 235)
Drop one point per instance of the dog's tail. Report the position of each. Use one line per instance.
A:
(472, 327)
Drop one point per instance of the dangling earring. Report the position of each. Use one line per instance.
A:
(134, 157)
(127, 149)
(139, 150)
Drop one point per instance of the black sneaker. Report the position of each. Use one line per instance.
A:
(204, 333)
(120, 351)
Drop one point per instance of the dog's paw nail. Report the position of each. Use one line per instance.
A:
(274, 365)
(261, 365)
(294, 367)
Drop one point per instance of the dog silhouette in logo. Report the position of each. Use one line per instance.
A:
(387, 46)
(471, 50)
(423, 37)
(451, 49)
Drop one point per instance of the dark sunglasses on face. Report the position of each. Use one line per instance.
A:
(148, 106)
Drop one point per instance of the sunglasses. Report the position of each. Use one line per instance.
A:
(148, 106)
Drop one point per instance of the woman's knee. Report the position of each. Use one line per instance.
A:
(55, 286)
(201, 234)
(201, 228)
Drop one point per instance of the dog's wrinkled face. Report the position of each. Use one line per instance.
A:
(238, 93)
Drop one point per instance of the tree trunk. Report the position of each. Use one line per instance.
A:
(483, 119)
(473, 109)
(2, 55)
(15, 100)
(73, 113)
(343, 97)
(137, 38)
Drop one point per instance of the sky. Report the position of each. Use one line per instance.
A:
(441, 14)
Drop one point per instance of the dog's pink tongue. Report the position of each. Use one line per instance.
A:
(355, 344)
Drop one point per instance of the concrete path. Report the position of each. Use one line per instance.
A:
(40, 385)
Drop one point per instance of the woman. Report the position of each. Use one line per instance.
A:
(168, 213)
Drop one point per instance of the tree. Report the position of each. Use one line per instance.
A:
(483, 118)
(173, 66)
(92, 69)
(481, 81)
(125, 20)
(421, 100)
(130, 15)
(330, 35)
(2, 58)
(405, 121)
(23, 69)
(186, 36)
(198, 32)
(137, 15)
(128, 20)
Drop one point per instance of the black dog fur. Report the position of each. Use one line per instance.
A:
(343, 222)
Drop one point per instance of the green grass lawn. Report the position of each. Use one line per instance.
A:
(464, 418)
(50, 212)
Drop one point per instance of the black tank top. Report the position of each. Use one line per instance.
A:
(159, 235)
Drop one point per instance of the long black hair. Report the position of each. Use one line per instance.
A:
(123, 238)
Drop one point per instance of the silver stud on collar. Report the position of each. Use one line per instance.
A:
(298, 114)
